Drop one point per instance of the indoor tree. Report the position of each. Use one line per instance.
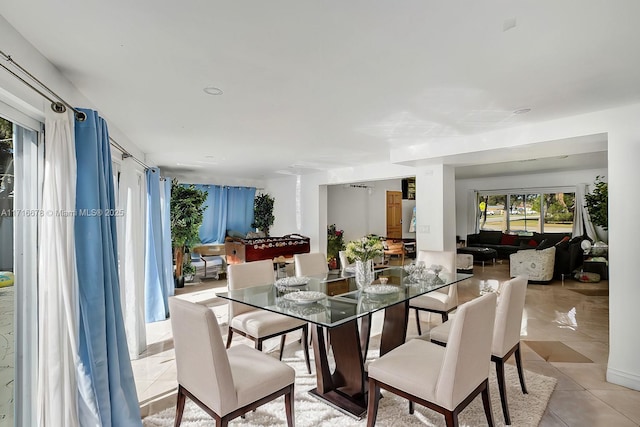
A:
(263, 213)
(597, 203)
(186, 217)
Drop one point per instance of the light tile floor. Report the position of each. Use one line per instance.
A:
(553, 313)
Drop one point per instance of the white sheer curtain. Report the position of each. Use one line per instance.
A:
(132, 199)
(582, 221)
(58, 299)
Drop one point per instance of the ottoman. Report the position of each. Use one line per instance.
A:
(479, 254)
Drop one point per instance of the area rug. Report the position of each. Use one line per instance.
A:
(526, 410)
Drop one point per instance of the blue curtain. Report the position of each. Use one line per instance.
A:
(227, 208)
(102, 340)
(240, 208)
(158, 287)
(214, 221)
(167, 249)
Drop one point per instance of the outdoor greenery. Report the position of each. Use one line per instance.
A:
(186, 217)
(335, 242)
(597, 203)
(263, 212)
(369, 247)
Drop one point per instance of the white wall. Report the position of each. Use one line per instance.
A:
(360, 211)
(465, 188)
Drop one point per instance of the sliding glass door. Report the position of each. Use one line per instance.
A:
(20, 161)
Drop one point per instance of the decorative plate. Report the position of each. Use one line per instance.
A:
(292, 281)
(304, 297)
(381, 289)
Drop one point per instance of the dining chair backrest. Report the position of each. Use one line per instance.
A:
(468, 352)
(246, 275)
(311, 264)
(508, 322)
(344, 261)
(201, 358)
(447, 259)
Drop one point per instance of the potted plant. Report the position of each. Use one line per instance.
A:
(263, 213)
(186, 217)
(597, 203)
(188, 270)
(335, 244)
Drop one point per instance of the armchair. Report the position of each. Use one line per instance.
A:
(538, 265)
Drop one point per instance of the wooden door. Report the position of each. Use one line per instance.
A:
(394, 214)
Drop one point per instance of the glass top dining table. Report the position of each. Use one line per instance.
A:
(316, 304)
(340, 316)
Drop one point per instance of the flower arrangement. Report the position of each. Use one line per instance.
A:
(365, 249)
(335, 242)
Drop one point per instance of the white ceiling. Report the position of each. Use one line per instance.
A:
(312, 85)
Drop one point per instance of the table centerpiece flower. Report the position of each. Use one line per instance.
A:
(363, 252)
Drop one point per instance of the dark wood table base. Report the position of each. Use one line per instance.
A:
(345, 387)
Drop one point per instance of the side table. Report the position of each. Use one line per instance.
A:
(598, 265)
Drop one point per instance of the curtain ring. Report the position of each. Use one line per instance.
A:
(58, 107)
(81, 116)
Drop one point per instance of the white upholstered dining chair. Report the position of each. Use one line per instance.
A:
(506, 334)
(444, 379)
(441, 301)
(256, 324)
(224, 383)
(310, 264)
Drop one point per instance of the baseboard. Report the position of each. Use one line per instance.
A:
(624, 379)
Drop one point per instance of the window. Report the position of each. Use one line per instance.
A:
(526, 211)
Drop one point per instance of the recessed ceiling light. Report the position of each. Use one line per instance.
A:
(522, 111)
(213, 90)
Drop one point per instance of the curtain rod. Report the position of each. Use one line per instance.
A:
(61, 105)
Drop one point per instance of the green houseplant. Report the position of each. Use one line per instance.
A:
(263, 213)
(597, 203)
(186, 217)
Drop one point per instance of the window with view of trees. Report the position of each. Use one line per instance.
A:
(526, 212)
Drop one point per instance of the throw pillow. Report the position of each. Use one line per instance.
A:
(532, 243)
(509, 239)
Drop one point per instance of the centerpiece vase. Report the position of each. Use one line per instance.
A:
(364, 273)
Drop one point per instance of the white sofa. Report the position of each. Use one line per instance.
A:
(538, 265)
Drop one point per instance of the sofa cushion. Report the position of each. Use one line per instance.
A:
(545, 244)
(490, 237)
(564, 243)
(508, 239)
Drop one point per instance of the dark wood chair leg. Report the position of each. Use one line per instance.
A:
(418, 321)
(374, 397)
(445, 317)
(259, 344)
(486, 402)
(305, 347)
(451, 419)
(411, 407)
(288, 405)
(229, 336)
(283, 338)
(520, 369)
(179, 406)
(503, 390)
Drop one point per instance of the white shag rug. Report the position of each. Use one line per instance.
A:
(525, 409)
